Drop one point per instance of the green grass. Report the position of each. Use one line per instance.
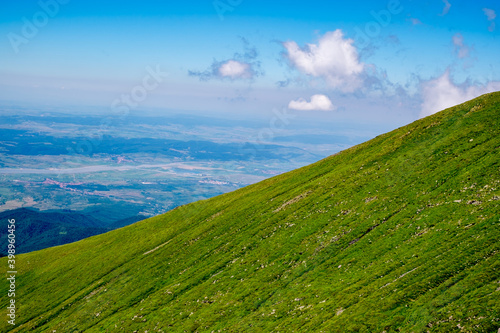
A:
(398, 234)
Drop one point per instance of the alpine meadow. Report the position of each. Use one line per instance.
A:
(397, 234)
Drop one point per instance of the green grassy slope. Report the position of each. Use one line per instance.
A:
(401, 233)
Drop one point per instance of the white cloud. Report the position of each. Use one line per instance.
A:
(334, 58)
(491, 15)
(229, 69)
(442, 93)
(235, 70)
(461, 49)
(241, 66)
(446, 8)
(317, 103)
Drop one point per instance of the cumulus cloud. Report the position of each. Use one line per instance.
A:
(242, 66)
(491, 15)
(446, 8)
(235, 69)
(442, 93)
(317, 103)
(461, 49)
(333, 58)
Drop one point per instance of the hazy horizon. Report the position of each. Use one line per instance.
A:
(385, 62)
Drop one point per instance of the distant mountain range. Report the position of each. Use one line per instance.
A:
(398, 234)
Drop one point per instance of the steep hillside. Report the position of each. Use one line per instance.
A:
(401, 233)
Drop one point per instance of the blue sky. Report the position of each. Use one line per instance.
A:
(389, 62)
